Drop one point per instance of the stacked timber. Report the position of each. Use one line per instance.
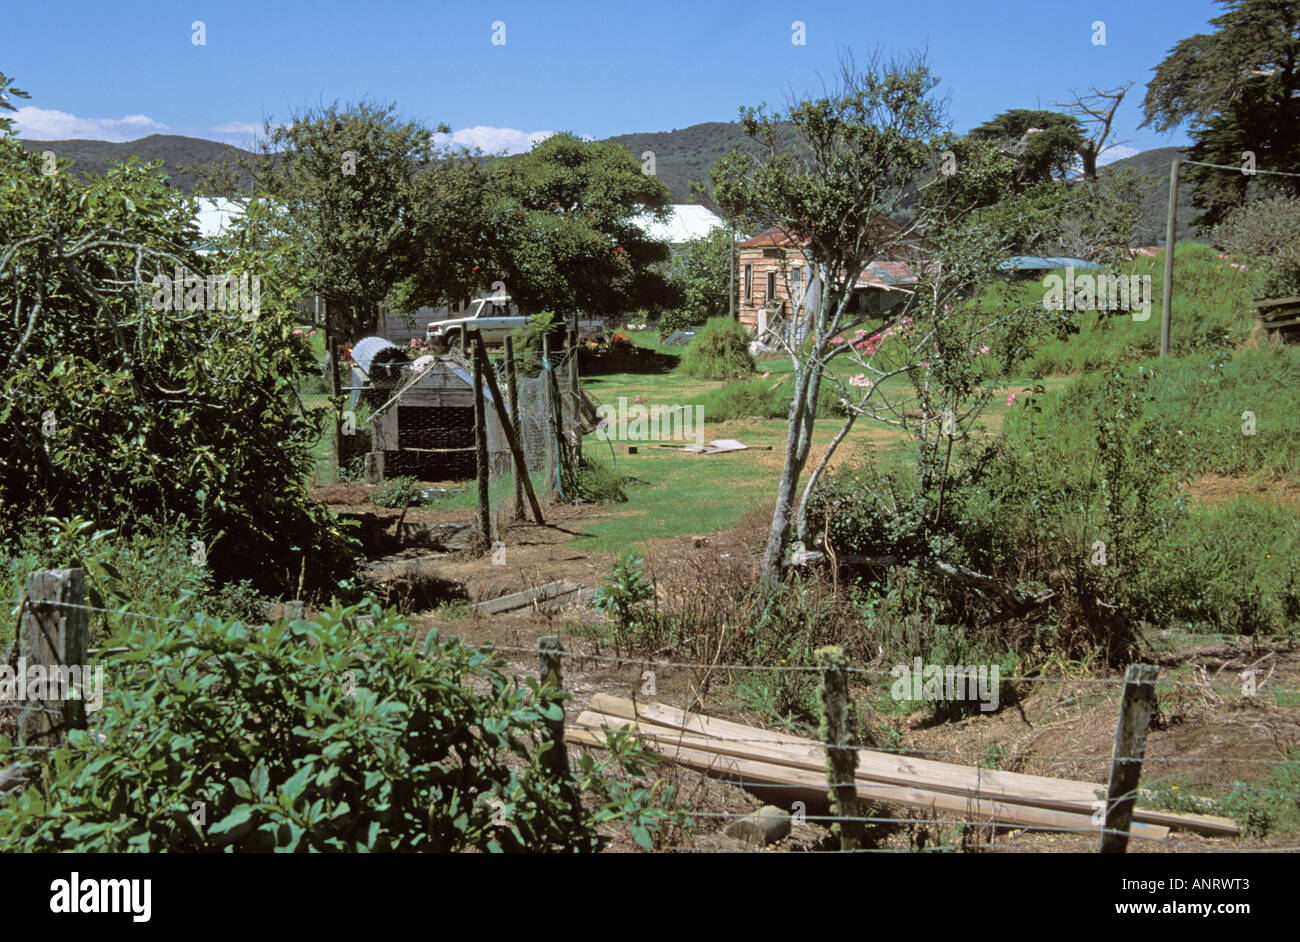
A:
(748, 755)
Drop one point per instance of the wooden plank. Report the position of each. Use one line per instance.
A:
(974, 810)
(1276, 302)
(542, 593)
(1015, 787)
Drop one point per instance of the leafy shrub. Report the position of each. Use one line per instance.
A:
(755, 398)
(1266, 233)
(154, 569)
(118, 411)
(527, 340)
(326, 736)
(597, 483)
(675, 319)
(398, 492)
(720, 350)
(624, 596)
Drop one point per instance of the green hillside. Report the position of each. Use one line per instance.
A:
(1151, 220)
(183, 157)
(682, 156)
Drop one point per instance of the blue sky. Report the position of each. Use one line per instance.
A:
(121, 70)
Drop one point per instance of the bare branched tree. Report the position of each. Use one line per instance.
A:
(1096, 110)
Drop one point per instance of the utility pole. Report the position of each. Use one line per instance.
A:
(731, 275)
(1171, 236)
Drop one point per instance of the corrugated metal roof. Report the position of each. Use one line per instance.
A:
(1043, 263)
(688, 221)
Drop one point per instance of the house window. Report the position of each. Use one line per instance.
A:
(749, 282)
(796, 284)
(771, 287)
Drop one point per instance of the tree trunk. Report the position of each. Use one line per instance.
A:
(803, 414)
(801, 519)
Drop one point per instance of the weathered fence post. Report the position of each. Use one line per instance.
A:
(1126, 761)
(512, 392)
(54, 637)
(333, 347)
(841, 759)
(516, 450)
(552, 433)
(548, 654)
(1171, 237)
(556, 759)
(374, 467)
(574, 397)
(480, 448)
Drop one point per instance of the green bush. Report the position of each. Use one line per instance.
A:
(117, 410)
(398, 492)
(755, 398)
(719, 351)
(152, 570)
(332, 735)
(1266, 233)
(527, 340)
(624, 596)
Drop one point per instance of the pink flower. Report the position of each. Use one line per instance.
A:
(984, 349)
(297, 332)
(1011, 399)
(925, 364)
(861, 380)
(837, 340)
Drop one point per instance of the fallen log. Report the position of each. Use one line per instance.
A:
(1012, 787)
(556, 594)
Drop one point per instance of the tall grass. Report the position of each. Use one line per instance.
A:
(1211, 311)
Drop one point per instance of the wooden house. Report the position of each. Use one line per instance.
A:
(776, 281)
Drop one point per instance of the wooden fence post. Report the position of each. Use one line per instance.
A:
(516, 450)
(548, 654)
(54, 637)
(548, 408)
(1126, 761)
(1171, 237)
(512, 391)
(556, 758)
(480, 449)
(841, 761)
(374, 467)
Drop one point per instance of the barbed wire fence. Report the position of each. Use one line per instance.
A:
(53, 630)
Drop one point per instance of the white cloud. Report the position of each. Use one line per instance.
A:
(240, 133)
(494, 140)
(1118, 152)
(43, 124)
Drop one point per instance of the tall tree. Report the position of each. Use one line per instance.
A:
(1041, 144)
(564, 239)
(346, 182)
(1096, 109)
(1239, 87)
(856, 153)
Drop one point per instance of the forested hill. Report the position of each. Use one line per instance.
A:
(682, 156)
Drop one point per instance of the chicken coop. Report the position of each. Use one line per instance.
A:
(422, 418)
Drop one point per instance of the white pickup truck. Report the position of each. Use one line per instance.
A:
(489, 316)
